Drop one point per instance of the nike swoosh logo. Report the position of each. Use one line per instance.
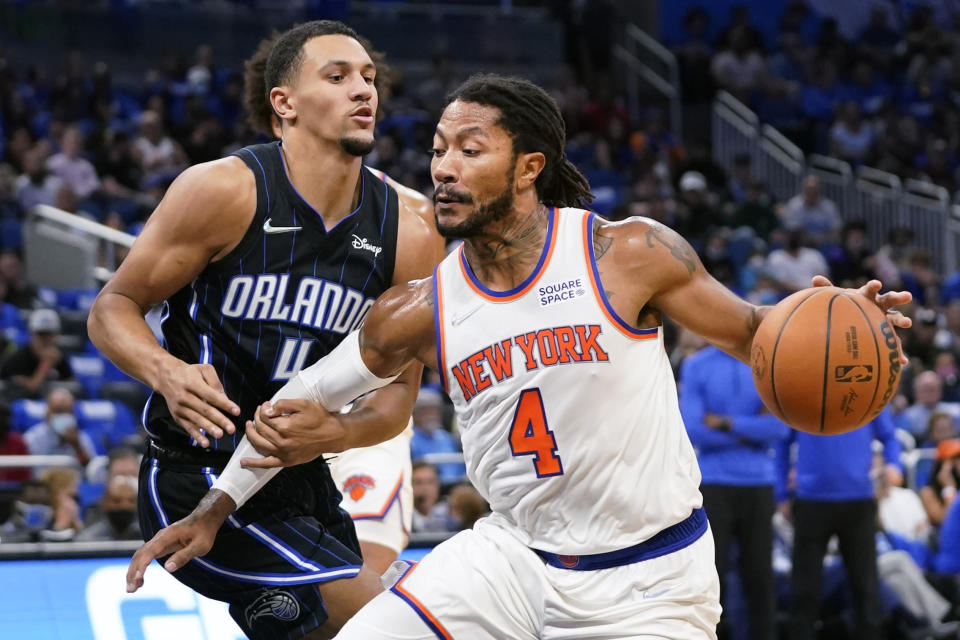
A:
(457, 318)
(655, 594)
(268, 228)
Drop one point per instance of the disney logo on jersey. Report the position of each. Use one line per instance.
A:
(275, 603)
(536, 349)
(560, 292)
(361, 243)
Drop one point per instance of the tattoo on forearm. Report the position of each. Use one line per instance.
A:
(601, 243)
(679, 250)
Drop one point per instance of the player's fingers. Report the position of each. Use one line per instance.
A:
(212, 392)
(821, 281)
(257, 438)
(183, 556)
(289, 405)
(161, 544)
(893, 299)
(211, 420)
(270, 462)
(186, 418)
(899, 320)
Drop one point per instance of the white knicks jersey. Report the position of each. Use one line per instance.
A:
(569, 417)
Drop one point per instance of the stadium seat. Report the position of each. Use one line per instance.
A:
(107, 421)
(88, 370)
(25, 413)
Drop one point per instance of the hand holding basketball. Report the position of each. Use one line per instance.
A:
(827, 360)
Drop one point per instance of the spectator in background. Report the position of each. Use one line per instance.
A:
(740, 177)
(945, 364)
(11, 444)
(696, 214)
(58, 434)
(71, 167)
(734, 436)
(920, 279)
(813, 214)
(430, 435)
(20, 293)
(119, 508)
(927, 400)
(430, 514)
(900, 509)
(851, 138)
(40, 361)
(940, 427)
(941, 489)
(851, 262)
(36, 185)
(160, 157)
(32, 513)
(466, 506)
(740, 68)
(755, 211)
(62, 487)
(794, 265)
(835, 496)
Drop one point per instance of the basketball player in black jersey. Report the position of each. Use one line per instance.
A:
(264, 261)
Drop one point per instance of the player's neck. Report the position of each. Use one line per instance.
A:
(325, 176)
(508, 251)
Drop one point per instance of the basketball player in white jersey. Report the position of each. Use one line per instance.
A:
(546, 328)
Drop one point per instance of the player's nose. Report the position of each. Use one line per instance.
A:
(444, 169)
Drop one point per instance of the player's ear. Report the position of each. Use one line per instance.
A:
(529, 166)
(283, 103)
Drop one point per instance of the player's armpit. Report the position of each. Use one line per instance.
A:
(419, 246)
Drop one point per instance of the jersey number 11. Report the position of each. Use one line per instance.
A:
(530, 435)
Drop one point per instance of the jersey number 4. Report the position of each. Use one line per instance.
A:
(530, 435)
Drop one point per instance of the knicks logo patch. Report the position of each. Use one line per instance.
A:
(356, 486)
(569, 561)
(274, 603)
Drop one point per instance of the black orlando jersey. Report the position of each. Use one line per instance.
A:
(283, 298)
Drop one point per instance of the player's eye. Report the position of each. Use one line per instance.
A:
(436, 153)
(471, 152)
(369, 79)
(336, 77)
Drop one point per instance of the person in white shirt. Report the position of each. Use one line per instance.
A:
(795, 264)
(70, 166)
(812, 213)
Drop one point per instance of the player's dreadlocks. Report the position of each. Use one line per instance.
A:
(256, 93)
(533, 120)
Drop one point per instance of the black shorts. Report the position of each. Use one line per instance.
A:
(269, 556)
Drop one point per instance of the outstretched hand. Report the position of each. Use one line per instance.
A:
(885, 301)
(185, 539)
(291, 432)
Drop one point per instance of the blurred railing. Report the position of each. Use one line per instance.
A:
(878, 198)
(650, 63)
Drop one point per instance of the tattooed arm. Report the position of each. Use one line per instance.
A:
(647, 268)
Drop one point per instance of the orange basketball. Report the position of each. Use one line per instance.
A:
(825, 360)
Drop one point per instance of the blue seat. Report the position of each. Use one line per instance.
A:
(106, 421)
(89, 372)
(25, 413)
(76, 299)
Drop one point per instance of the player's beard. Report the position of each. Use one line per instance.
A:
(481, 216)
(358, 147)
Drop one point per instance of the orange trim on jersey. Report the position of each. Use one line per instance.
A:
(616, 321)
(390, 500)
(438, 628)
(513, 294)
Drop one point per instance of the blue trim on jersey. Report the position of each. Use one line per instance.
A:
(423, 616)
(258, 578)
(441, 365)
(603, 296)
(286, 175)
(551, 228)
(671, 539)
(266, 190)
(193, 301)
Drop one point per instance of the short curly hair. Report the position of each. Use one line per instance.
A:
(256, 92)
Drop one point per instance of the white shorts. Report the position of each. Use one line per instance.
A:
(483, 584)
(375, 483)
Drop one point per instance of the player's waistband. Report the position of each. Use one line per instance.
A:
(671, 539)
(189, 460)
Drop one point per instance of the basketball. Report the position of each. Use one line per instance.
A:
(825, 360)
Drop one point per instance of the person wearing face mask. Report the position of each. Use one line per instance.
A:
(58, 433)
(430, 435)
(119, 506)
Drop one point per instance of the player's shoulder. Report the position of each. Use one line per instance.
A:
(403, 312)
(227, 179)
